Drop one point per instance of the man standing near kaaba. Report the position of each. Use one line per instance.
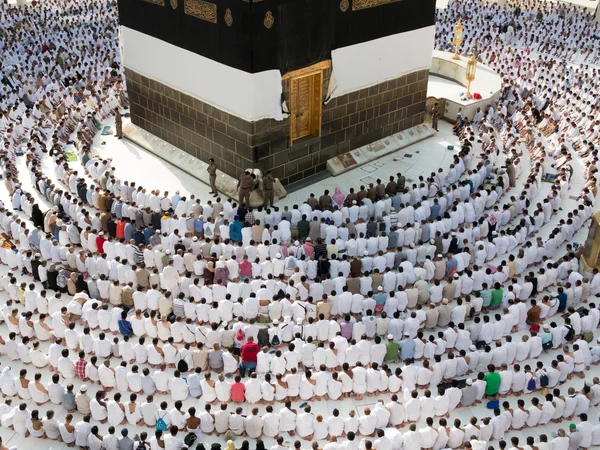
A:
(212, 176)
(325, 201)
(245, 184)
(118, 123)
(435, 113)
(268, 182)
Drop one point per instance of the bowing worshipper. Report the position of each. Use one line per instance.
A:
(82, 431)
(178, 387)
(115, 410)
(107, 376)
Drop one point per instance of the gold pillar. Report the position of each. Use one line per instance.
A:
(458, 38)
(470, 76)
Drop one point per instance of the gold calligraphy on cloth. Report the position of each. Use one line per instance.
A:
(201, 10)
(364, 4)
(156, 2)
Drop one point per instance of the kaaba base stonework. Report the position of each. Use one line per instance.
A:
(347, 122)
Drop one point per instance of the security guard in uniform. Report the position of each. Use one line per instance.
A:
(245, 184)
(268, 182)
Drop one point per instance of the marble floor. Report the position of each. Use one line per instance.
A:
(418, 159)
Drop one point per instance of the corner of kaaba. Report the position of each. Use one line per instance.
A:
(276, 84)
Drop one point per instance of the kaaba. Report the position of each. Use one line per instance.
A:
(276, 84)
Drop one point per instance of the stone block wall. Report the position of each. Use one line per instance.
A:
(348, 122)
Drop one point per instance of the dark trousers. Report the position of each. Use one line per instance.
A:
(269, 197)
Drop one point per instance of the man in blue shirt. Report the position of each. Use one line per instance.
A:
(435, 209)
(128, 230)
(148, 233)
(235, 229)
(199, 227)
(118, 209)
(450, 265)
(407, 349)
(125, 325)
(138, 236)
(380, 298)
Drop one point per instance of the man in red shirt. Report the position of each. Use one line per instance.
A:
(249, 350)
(80, 366)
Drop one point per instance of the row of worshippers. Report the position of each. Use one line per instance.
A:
(335, 342)
(339, 354)
(554, 408)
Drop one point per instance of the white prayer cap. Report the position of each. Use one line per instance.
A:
(354, 202)
(365, 253)
(276, 322)
(157, 210)
(168, 252)
(472, 348)
(412, 245)
(299, 321)
(296, 243)
(390, 336)
(439, 256)
(221, 213)
(453, 233)
(445, 301)
(278, 255)
(456, 276)
(432, 242)
(83, 388)
(406, 333)
(380, 289)
(195, 238)
(287, 319)
(177, 192)
(469, 382)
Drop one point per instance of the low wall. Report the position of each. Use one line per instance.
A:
(487, 83)
(365, 154)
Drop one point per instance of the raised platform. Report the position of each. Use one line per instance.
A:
(377, 149)
(192, 165)
(487, 83)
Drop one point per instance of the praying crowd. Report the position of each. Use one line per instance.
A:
(369, 318)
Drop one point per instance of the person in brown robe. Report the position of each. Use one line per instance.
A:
(118, 124)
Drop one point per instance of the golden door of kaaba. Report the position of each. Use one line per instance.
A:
(305, 105)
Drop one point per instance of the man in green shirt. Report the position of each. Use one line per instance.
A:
(492, 381)
(303, 228)
(546, 338)
(497, 295)
(392, 349)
